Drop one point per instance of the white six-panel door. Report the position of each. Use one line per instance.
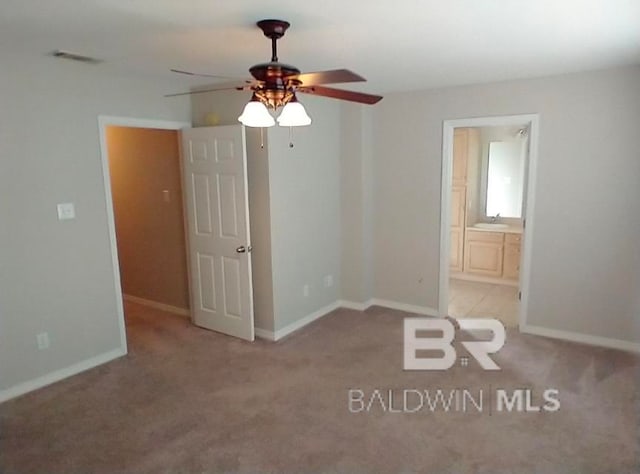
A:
(217, 214)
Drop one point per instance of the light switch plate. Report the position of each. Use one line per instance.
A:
(328, 281)
(66, 211)
(42, 340)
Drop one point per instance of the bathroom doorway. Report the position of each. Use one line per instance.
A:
(486, 198)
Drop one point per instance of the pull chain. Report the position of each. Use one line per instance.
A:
(261, 137)
(290, 137)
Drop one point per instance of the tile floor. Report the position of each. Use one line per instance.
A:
(471, 299)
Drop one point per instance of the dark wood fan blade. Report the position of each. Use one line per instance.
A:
(328, 77)
(341, 94)
(223, 87)
(189, 73)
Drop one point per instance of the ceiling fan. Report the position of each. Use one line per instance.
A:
(275, 85)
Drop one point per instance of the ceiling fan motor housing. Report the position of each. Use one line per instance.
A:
(273, 29)
(276, 89)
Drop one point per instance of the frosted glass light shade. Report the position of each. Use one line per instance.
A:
(255, 114)
(294, 115)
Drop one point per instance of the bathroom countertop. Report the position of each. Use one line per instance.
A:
(512, 229)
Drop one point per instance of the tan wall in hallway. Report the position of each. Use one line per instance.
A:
(150, 231)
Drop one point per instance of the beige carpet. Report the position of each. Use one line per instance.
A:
(188, 400)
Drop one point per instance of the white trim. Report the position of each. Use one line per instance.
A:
(157, 305)
(533, 120)
(107, 120)
(103, 122)
(300, 323)
(58, 375)
(354, 305)
(408, 308)
(582, 338)
(264, 334)
(285, 331)
(527, 233)
(446, 185)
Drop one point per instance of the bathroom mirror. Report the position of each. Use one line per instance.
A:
(505, 178)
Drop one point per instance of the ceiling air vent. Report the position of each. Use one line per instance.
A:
(59, 53)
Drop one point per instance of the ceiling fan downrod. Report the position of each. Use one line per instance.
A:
(273, 29)
(274, 50)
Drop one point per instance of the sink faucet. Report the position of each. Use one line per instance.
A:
(495, 218)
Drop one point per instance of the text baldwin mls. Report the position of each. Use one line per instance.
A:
(499, 400)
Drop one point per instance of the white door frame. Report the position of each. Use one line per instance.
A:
(103, 122)
(533, 121)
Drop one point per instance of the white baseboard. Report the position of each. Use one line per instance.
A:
(409, 308)
(58, 375)
(619, 344)
(264, 334)
(355, 306)
(424, 310)
(157, 305)
(285, 331)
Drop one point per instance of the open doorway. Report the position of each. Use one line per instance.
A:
(216, 269)
(146, 189)
(487, 192)
(143, 196)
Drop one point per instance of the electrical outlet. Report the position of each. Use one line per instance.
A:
(66, 211)
(328, 281)
(305, 290)
(42, 340)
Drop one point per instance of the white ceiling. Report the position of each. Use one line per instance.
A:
(397, 45)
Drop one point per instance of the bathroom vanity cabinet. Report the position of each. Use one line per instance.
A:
(466, 143)
(458, 199)
(511, 260)
(484, 253)
(492, 254)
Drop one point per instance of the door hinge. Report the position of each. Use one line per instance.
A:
(524, 223)
(519, 295)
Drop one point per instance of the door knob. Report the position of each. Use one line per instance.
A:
(243, 249)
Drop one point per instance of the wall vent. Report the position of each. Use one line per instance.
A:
(59, 53)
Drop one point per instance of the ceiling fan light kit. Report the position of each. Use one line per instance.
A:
(294, 115)
(275, 85)
(255, 114)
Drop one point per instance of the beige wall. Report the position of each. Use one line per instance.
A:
(144, 163)
(304, 183)
(57, 276)
(356, 203)
(260, 223)
(586, 260)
